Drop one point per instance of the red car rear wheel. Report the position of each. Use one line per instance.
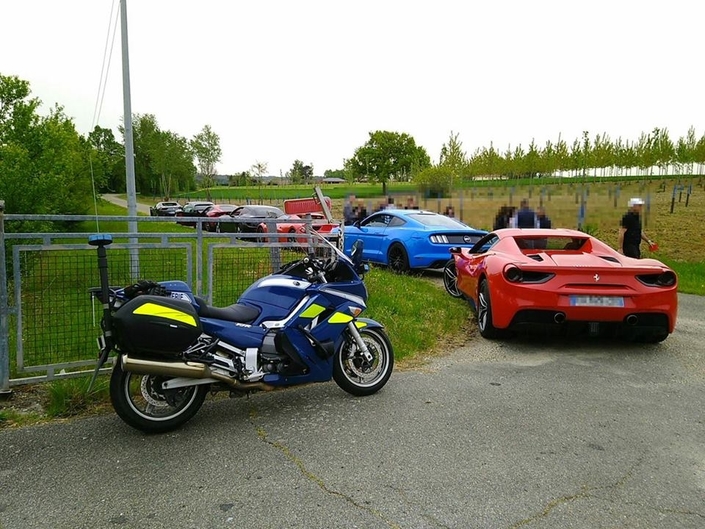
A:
(450, 279)
(484, 313)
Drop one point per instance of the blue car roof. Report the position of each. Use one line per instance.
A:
(411, 213)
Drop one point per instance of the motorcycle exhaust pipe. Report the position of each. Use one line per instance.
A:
(559, 317)
(196, 370)
(632, 319)
(169, 369)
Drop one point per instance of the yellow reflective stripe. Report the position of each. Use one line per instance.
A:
(339, 317)
(313, 311)
(152, 309)
(360, 324)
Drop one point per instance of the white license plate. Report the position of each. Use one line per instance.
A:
(596, 301)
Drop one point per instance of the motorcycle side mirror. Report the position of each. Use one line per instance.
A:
(356, 253)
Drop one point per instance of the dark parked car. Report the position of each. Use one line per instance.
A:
(165, 209)
(190, 210)
(215, 211)
(252, 217)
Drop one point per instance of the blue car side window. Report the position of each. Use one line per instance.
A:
(377, 221)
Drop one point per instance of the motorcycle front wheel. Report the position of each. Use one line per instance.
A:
(356, 375)
(142, 403)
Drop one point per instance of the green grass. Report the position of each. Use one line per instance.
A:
(691, 276)
(420, 317)
(70, 397)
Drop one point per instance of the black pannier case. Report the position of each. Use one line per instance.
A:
(156, 326)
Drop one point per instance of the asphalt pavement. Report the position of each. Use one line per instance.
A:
(530, 432)
(118, 201)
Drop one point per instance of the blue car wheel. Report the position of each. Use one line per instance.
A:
(397, 259)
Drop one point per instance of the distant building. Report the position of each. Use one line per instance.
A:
(327, 180)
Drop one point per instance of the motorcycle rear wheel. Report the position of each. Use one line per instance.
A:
(357, 376)
(141, 402)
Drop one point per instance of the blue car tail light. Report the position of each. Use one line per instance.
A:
(439, 239)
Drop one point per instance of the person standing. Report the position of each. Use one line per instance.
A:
(542, 221)
(349, 216)
(503, 217)
(524, 217)
(630, 232)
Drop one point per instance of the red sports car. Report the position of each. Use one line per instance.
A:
(293, 225)
(543, 278)
(215, 211)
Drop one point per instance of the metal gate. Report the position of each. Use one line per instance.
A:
(48, 321)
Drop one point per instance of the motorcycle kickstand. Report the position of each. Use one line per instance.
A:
(361, 345)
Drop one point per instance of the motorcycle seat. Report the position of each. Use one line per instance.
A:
(237, 313)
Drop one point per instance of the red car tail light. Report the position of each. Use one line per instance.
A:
(664, 279)
(514, 274)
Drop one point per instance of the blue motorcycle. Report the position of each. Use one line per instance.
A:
(296, 326)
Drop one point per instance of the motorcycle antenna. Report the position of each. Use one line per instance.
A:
(320, 198)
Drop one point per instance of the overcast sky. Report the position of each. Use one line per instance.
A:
(282, 80)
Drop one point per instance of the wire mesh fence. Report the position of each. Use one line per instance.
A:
(53, 321)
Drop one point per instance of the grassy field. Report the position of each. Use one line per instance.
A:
(602, 202)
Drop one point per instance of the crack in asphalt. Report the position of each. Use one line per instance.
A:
(586, 492)
(552, 505)
(590, 492)
(423, 515)
(262, 434)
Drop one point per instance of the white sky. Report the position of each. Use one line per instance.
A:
(282, 80)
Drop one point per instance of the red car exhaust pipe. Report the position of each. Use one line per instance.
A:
(632, 319)
(559, 317)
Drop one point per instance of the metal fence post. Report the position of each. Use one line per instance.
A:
(5, 391)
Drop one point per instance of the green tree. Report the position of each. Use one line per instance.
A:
(532, 160)
(43, 159)
(300, 173)
(685, 151)
(206, 148)
(335, 173)
(665, 151)
(173, 158)
(388, 156)
(107, 160)
(434, 181)
(454, 158)
(163, 159)
(259, 169)
(243, 178)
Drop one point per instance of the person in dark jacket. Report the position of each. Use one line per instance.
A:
(524, 217)
(349, 216)
(542, 221)
(503, 216)
(630, 232)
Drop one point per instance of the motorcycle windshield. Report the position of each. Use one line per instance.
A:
(320, 238)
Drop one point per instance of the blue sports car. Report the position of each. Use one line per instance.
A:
(409, 238)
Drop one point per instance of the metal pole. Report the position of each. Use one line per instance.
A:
(5, 391)
(129, 144)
